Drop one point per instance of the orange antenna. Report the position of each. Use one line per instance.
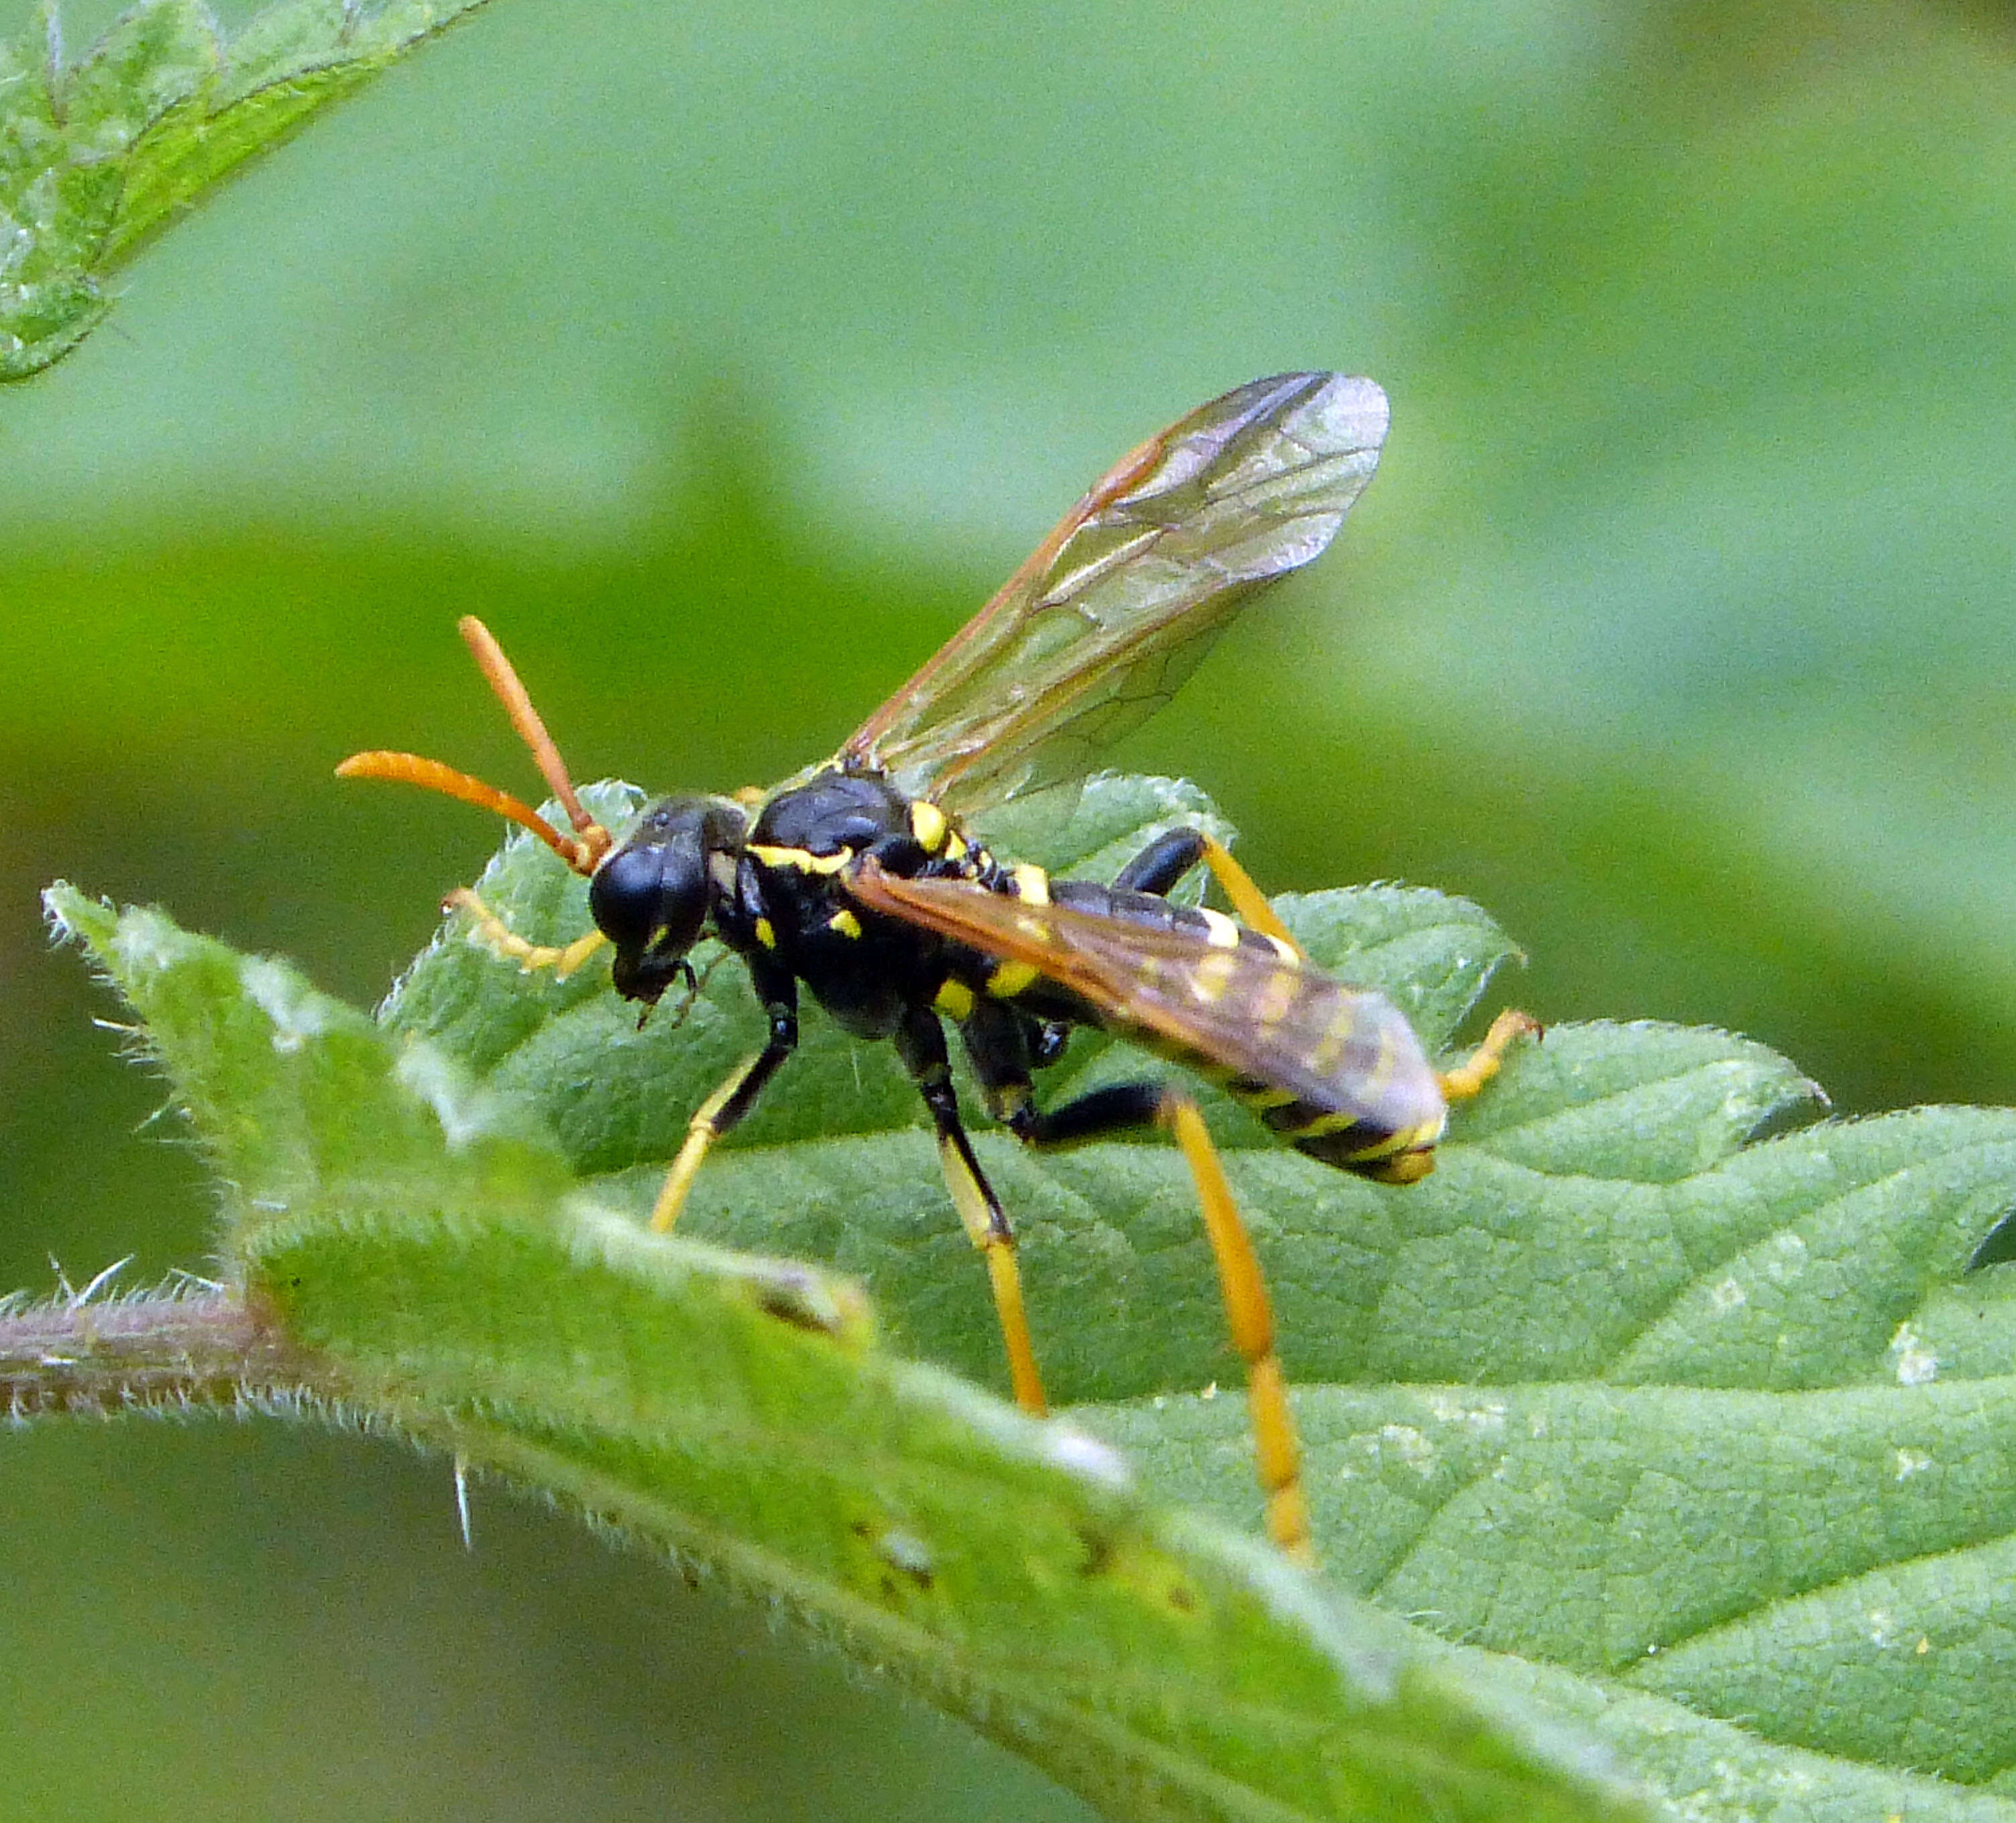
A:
(503, 681)
(583, 849)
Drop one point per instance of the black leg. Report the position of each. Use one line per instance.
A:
(1000, 1060)
(724, 1109)
(1166, 860)
(921, 1043)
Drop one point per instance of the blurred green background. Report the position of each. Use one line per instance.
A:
(724, 357)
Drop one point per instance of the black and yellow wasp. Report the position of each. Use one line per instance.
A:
(860, 878)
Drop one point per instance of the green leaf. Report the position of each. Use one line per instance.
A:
(1823, 1565)
(97, 157)
(1688, 1444)
(409, 1238)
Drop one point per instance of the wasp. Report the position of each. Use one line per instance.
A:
(862, 880)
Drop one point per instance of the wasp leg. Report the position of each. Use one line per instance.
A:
(1464, 1081)
(722, 1111)
(921, 1043)
(1277, 1448)
(993, 1039)
(505, 941)
(1248, 1310)
(1165, 860)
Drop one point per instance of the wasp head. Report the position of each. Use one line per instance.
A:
(650, 897)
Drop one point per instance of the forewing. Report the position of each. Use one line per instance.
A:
(1116, 607)
(1247, 1008)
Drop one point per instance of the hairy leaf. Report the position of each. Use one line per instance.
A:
(1688, 1442)
(407, 1237)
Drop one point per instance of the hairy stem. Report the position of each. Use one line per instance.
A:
(71, 1358)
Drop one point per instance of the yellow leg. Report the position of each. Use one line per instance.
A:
(989, 1232)
(1464, 1081)
(506, 942)
(1277, 1449)
(701, 1132)
(1248, 902)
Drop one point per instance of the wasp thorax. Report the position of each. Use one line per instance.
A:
(650, 899)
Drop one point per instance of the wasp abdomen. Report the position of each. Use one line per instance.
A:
(1335, 1070)
(1153, 912)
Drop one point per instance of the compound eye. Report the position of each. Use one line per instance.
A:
(682, 902)
(625, 896)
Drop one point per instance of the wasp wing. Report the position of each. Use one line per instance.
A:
(1244, 1011)
(1116, 607)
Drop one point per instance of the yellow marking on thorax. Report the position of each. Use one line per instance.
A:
(766, 933)
(1219, 931)
(845, 922)
(954, 999)
(928, 825)
(799, 860)
(1011, 978)
(955, 845)
(1032, 885)
(1286, 951)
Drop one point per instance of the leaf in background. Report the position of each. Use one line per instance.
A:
(98, 156)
